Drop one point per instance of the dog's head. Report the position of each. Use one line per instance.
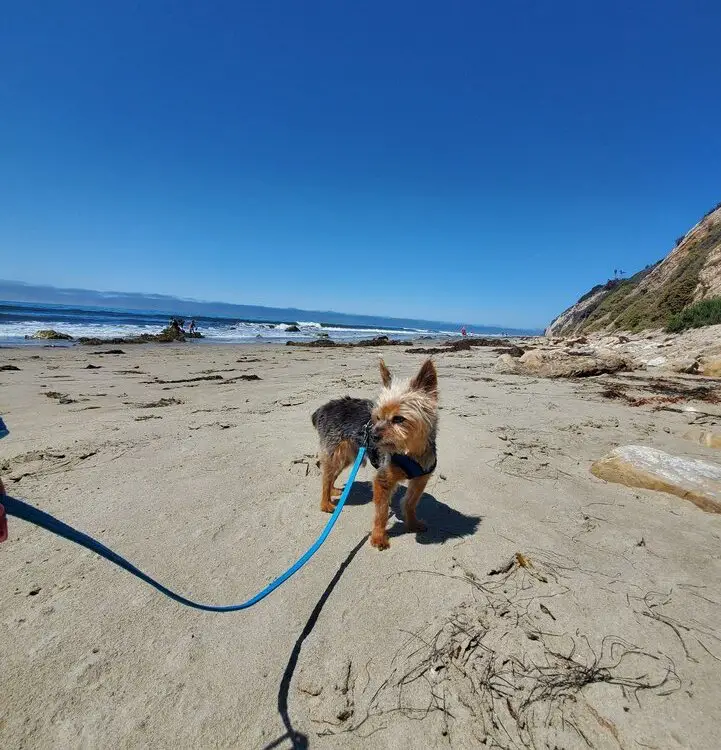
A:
(406, 412)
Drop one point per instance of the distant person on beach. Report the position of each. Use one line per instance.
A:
(463, 331)
(193, 327)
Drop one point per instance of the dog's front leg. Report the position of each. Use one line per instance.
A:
(383, 486)
(413, 495)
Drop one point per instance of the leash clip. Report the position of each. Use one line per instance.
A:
(367, 434)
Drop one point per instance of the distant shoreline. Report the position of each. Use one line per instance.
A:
(28, 295)
(19, 320)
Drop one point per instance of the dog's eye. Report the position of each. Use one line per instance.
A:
(398, 419)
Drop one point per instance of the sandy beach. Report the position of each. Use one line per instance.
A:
(591, 610)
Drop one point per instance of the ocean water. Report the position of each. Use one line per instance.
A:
(18, 320)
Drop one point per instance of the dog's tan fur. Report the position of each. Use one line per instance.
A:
(404, 419)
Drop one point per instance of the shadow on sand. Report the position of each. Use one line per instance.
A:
(444, 523)
(298, 740)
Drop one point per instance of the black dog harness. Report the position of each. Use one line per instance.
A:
(410, 467)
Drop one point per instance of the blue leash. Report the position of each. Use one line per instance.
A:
(26, 512)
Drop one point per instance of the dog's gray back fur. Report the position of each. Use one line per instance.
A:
(344, 419)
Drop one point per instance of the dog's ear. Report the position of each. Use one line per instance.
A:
(386, 376)
(427, 379)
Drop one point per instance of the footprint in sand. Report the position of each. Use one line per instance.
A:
(305, 465)
(43, 462)
(330, 695)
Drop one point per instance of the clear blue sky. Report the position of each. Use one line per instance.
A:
(477, 161)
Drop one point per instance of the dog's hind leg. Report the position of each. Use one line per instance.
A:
(327, 487)
(332, 465)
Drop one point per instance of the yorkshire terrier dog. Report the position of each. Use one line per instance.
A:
(401, 426)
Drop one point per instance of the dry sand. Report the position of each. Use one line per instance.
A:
(608, 638)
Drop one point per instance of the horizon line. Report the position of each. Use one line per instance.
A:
(190, 300)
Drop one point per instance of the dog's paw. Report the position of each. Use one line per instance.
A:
(327, 507)
(380, 541)
(417, 527)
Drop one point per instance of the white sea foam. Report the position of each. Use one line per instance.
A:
(471, 334)
(20, 329)
(15, 332)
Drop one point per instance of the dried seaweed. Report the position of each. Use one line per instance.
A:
(489, 666)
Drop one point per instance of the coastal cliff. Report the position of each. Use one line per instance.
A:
(666, 294)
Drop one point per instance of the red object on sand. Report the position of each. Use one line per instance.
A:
(3, 525)
(3, 517)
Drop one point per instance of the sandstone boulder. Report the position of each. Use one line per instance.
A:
(559, 364)
(649, 468)
(709, 438)
(507, 365)
(536, 357)
(656, 362)
(687, 366)
(711, 367)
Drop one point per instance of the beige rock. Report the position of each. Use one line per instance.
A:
(656, 362)
(535, 357)
(506, 365)
(558, 364)
(711, 367)
(649, 468)
(688, 365)
(553, 363)
(709, 438)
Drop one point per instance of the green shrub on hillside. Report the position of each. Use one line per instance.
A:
(609, 306)
(705, 313)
